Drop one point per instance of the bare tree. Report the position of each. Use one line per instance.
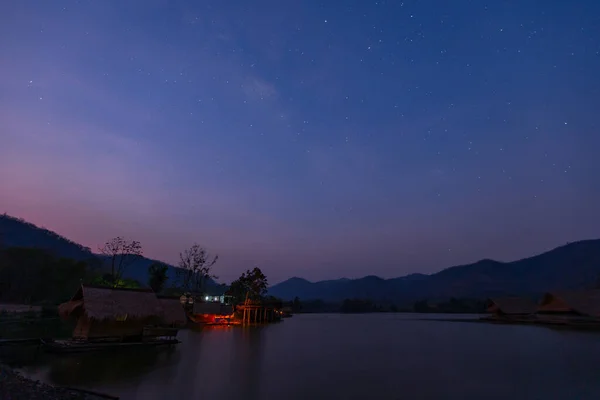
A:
(195, 265)
(122, 253)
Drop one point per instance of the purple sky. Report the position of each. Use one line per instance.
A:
(312, 140)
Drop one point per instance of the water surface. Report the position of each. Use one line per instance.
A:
(383, 356)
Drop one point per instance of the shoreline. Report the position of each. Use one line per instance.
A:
(591, 327)
(15, 386)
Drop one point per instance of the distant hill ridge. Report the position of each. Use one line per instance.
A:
(572, 266)
(16, 232)
(20, 233)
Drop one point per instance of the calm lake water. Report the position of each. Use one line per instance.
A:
(383, 356)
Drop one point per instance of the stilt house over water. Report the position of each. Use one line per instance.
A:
(124, 314)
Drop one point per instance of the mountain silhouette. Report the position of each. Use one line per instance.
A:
(16, 232)
(573, 266)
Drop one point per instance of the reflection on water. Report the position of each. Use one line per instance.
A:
(92, 368)
(385, 356)
(248, 352)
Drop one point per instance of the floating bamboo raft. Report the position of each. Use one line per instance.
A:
(15, 342)
(71, 346)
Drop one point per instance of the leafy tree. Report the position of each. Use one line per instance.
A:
(273, 301)
(29, 275)
(157, 276)
(238, 289)
(107, 280)
(422, 306)
(358, 306)
(258, 283)
(121, 253)
(252, 283)
(318, 306)
(129, 283)
(195, 266)
(296, 305)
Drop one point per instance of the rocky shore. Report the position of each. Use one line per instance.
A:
(14, 386)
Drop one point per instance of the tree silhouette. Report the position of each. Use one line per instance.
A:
(121, 253)
(157, 276)
(35, 275)
(252, 282)
(195, 266)
(296, 304)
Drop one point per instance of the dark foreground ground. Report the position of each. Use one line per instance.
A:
(15, 387)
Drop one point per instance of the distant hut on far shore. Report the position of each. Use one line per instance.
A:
(570, 305)
(511, 307)
(119, 314)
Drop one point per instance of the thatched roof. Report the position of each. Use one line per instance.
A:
(102, 303)
(513, 305)
(172, 310)
(585, 302)
(65, 310)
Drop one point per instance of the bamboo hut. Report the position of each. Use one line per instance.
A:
(512, 307)
(172, 311)
(581, 305)
(103, 313)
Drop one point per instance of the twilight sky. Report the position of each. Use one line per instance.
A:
(314, 139)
